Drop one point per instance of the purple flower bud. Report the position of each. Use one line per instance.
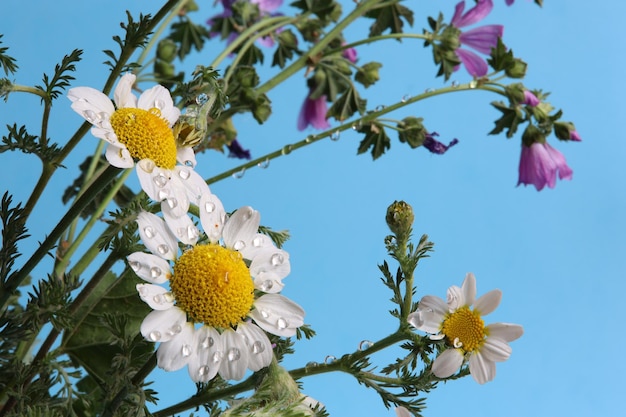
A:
(573, 135)
(530, 99)
(434, 146)
(349, 54)
(236, 151)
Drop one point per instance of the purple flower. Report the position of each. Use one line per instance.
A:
(349, 54)
(509, 2)
(530, 99)
(482, 38)
(539, 165)
(313, 112)
(435, 146)
(236, 151)
(573, 135)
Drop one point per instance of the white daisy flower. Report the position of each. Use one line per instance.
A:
(140, 129)
(222, 295)
(464, 330)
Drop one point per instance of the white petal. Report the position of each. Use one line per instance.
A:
(89, 103)
(257, 244)
(495, 349)
(505, 331)
(455, 298)
(192, 182)
(469, 289)
(208, 355)
(159, 97)
(173, 355)
(157, 297)
(482, 369)
(163, 325)
(107, 135)
(156, 236)
(258, 344)
(155, 181)
(488, 302)
(212, 216)
(123, 95)
(149, 267)
(182, 227)
(186, 156)
(235, 361)
(272, 263)
(119, 157)
(429, 315)
(447, 363)
(242, 226)
(277, 314)
(175, 201)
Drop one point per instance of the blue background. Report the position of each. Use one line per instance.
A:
(557, 255)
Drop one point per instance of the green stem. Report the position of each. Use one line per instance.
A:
(16, 279)
(16, 88)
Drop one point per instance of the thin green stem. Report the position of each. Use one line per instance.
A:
(373, 39)
(16, 88)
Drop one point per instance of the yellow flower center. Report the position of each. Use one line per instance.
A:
(213, 285)
(146, 135)
(464, 329)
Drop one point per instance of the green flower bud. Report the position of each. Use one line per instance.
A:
(532, 134)
(164, 69)
(450, 38)
(400, 219)
(368, 73)
(167, 50)
(411, 130)
(517, 69)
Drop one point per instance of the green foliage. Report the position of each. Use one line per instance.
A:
(188, 36)
(136, 37)
(287, 46)
(390, 17)
(60, 80)
(502, 59)
(19, 139)
(7, 63)
(368, 74)
(375, 138)
(279, 237)
(346, 105)
(326, 10)
(244, 96)
(13, 230)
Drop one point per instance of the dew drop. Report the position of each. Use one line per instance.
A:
(311, 364)
(258, 241)
(160, 180)
(277, 259)
(192, 232)
(155, 336)
(208, 342)
(239, 174)
(309, 139)
(172, 203)
(159, 104)
(90, 116)
(163, 249)
(365, 344)
(168, 297)
(473, 84)
(209, 207)
(239, 245)
(185, 351)
(162, 195)
(329, 359)
(175, 329)
(264, 164)
(201, 99)
(159, 299)
(184, 173)
(217, 356)
(155, 272)
(134, 265)
(429, 90)
(281, 323)
(406, 98)
(286, 149)
(265, 313)
(203, 370)
(258, 347)
(380, 107)
(455, 84)
(335, 135)
(356, 126)
(234, 354)
(188, 163)
(267, 285)
(149, 231)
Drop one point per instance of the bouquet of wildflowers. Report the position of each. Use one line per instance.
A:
(178, 278)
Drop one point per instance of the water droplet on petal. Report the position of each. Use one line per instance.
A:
(134, 265)
(208, 342)
(160, 180)
(162, 195)
(155, 336)
(266, 285)
(159, 299)
(239, 174)
(172, 202)
(188, 163)
(149, 231)
(335, 135)
(175, 329)
(234, 354)
(239, 245)
(258, 347)
(185, 351)
(258, 241)
(277, 259)
(264, 313)
(184, 173)
(406, 98)
(168, 297)
(203, 370)
(201, 99)
(155, 272)
(281, 323)
(365, 344)
(163, 249)
(209, 207)
(192, 232)
(329, 359)
(264, 164)
(90, 116)
(217, 356)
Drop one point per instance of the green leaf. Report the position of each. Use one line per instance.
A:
(390, 17)
(188, 35)
(7, 63)
(90, 343)
(326, 10)
(375, 138)
(60, 80)
(346, 105)
(412, 131)
(511, 118)
(287, 47)
(13, 230)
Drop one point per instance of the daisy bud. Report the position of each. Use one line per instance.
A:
(400, 219)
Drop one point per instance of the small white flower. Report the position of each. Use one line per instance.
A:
(211, 284)
(464, 330)
(140, 129)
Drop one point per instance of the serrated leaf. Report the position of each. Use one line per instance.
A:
(375, 138)
(346, 105)
(390, 17)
